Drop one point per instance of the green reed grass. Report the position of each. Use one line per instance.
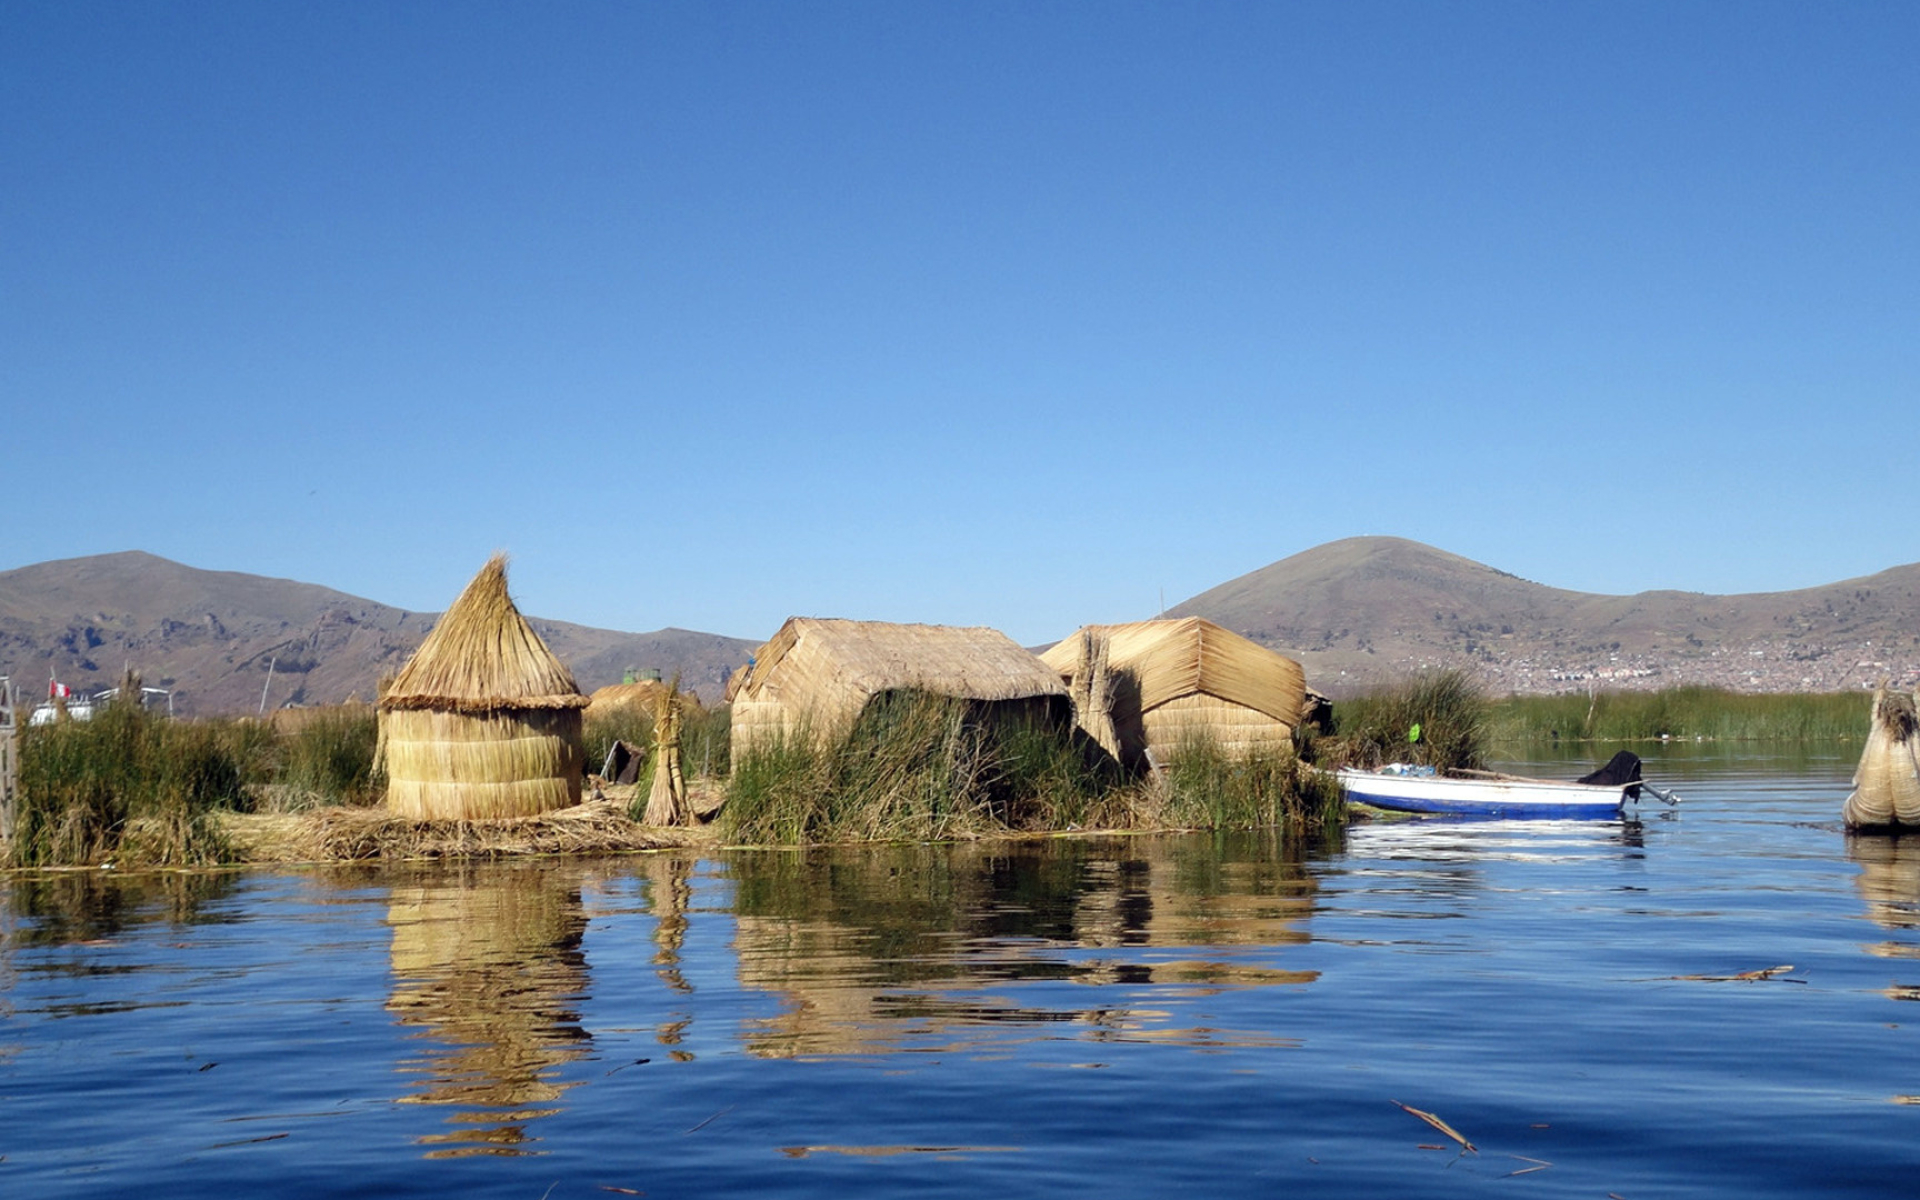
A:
(1206, 788)
(915, 767)
(127, 787)
(1451, 711)
(1703, 713)
(329, 759)
(920, 767)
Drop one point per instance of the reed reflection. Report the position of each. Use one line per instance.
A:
(1889, 884)
(890, 949)
(487, 965)
(669, 880)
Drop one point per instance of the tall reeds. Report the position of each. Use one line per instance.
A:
(1437, 719)
(126, 787)
(1694, 712)
(915, 766)
(921, 767)
(1203, 787)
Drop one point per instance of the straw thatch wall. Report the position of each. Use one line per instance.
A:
(1886, 786)
(483, 721)
(1186, 678)
(818, 674)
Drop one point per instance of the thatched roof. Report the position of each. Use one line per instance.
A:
(1191, 656)
(640, 696)
(482, 656)
(820, 656)
(826, 670)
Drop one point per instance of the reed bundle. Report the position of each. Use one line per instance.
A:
(484, 721)
(1090, 683)
(667, 799)
(1886, 785)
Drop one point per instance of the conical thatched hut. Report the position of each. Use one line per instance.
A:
(1886, 786)
(483, 721)
(819, 674)
(1182, 678)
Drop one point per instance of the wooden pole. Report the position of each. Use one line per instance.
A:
(9, 763)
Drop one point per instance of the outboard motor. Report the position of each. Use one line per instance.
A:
(1622, 768)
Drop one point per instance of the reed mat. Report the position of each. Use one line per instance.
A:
(368, 834)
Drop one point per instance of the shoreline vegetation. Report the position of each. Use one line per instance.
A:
(135, 789)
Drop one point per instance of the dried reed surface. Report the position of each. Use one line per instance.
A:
(819, 674)
(361, 834)
(1886, 785)
(483, 721)
(1180, 679)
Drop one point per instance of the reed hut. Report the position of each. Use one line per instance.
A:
(483, 721)
(642, 696)
(1886, 785)
(1174, 680)
(819, 674)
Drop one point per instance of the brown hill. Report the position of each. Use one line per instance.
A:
(211, 636)
(1364, 611)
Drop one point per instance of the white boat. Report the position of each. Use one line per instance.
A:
(1486, 794)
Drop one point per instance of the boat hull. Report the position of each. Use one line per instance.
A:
(1531, 799)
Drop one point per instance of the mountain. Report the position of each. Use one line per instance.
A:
(213, 636)
(1364, 611)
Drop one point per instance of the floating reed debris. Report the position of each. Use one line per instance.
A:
(483, 721)
(1437, 1123)
(1886, 785)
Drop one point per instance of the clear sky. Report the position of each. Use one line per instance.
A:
(1023, 315)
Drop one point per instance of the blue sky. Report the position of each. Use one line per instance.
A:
(1023, 315)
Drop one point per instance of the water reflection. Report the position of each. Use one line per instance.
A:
(1889, 883)
(669, 880)
(487, 965)
(66, 907)
(932, 948)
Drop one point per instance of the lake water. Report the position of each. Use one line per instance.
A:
(1118, 1017)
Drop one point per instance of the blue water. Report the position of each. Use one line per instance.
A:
(1119, 1017)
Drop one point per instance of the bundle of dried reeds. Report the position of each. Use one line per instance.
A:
(1091, 687)
(667, 802)
(1886, 786)
(483, 721)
